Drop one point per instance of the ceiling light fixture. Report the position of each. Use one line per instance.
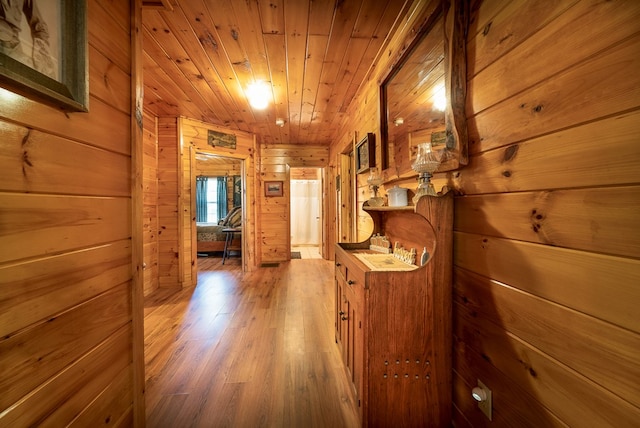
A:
(280, 122)
(399, 121)
(258, 95)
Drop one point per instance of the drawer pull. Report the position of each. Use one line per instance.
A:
(343, 318)
(338, 264)
(351, 282)
(341, 313)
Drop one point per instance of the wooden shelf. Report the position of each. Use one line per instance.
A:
(387, 208)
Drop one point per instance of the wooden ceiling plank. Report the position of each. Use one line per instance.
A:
(223, 16)
(232, 38)
(250, 35)
(166, 88)
(321, 13)
(317, 46)
(177, 64)
(319, 27)
(275, 47)
(192, 42)
(271, 16)
(296, 21)
(358, 58)
(353, 58)
(252, 40)
(345, 18)
(222, 78)
(317, 54)
(378, 38)
(156, 76)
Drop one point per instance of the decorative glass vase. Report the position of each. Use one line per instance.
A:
(375, 180)
(426, 163)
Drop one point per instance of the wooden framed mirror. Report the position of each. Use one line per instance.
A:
(422, 98)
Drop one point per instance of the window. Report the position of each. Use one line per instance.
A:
(211, 199)
(212, 202)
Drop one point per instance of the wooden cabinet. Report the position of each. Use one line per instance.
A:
(349, 307)
(394, 327)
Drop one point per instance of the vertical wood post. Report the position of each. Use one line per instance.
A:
(137, 249)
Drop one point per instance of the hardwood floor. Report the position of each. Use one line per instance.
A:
(252, 350)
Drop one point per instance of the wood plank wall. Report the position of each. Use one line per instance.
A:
(547, 242)
(150, 201)
(547, 237)
(305, 174)
(66, 284)
(169, 246)
(274, 211)
(220, 168)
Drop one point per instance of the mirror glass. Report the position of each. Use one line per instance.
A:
(415, 102)
(415, 98)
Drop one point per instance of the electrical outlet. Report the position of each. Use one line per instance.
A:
(486, 404)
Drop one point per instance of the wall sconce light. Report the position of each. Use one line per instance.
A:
(399, 121)
(258, 95)
(280, 122)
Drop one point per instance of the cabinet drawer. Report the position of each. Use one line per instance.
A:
(348, 271)
(341, 266)
(354, 277)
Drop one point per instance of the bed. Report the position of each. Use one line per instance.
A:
(210, 236)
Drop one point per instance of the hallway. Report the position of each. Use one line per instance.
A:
(247, 350)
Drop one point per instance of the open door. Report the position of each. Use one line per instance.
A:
(221, 199)
(346, 200)
(306, 211)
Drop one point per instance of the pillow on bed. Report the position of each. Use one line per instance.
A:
(233, 218)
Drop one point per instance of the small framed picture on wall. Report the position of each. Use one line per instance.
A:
(365, 153)
(273, 188)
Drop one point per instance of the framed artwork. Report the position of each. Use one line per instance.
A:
(365, 153)
(273, 188)
(220, 139)
(45, 57)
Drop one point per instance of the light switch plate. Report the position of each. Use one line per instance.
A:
(486, 405)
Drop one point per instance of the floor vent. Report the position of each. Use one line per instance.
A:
(270, 265)
(296, 255)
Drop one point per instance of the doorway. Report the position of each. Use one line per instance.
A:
(219, 189)
(306, 212)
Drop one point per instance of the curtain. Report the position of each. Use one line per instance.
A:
(222, 197)
(201, 199)
(237, 190)
(305, 212)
